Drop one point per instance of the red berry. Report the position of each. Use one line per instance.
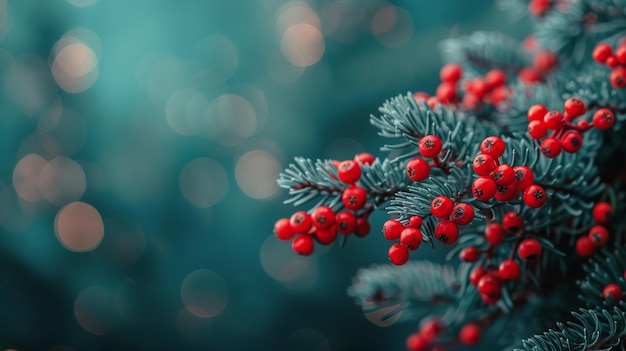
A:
(349, 172)
(499, 94)
(432, 102)
(346, 222)
(282, 229)
(602, 212)
(544, 61)
(491, 299)
(620, 55)
(479, 87)
(493, 146)
(470, 101)
(529, 75)
(446, 93)
(504, 175)
(417, 169)
(537, 129)
(601, 52)
(476, 274)
(365, 158)
(469, 254)
(326, 236)
(534, 196)
(420, 96)
(611, 61)
(512, 222)
(598, 235)
(430, 146)
(441, 207)
(354, 198)
(494, 233)
(363, 227)
(536, 112)
(430, 328)
(489, 285)
(550, 147)
(506, 193)
(462, 213)
(451, 73)
(574, 107)
(415, 221)
(392, 229)
(484, 188)
(554, 120)
(470, 334)
(614, 291)
(618, 77)
(483, 164)
(411, 238)
(300, 222)
(323, 217)
(398, 254)
(447, 232)
(509, 270)
(529, 249)
(417, 342)
(585, 247)
(524, 177)
(571, 141)
(303, 245)
(603, 118)
(495, 78)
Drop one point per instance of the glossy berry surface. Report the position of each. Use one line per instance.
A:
(554, 120)
(323, 217)
(537, 129)
(618, 78)
(603, 118)
(354, 198)
(392, 229)
(415, 221)
(483, 164)
(489, 285)
(303, 245)
(364, 158)
(571, 141)
(470, 334)
(585, 247)
(441, 207)
(503, 175)
(430, 146)
(417, 342)
(524, 177)
(398, 254)
(447, 232)
(598, 235)
(417, 169)
(484, 188)
(506, 193)
(363, 227)
(301, 222)
(602, 212)
(574, 107)
(536, 113)
(602, 52)
(509, 270)
(614, 291)
(411, 238)
(493, 146)
(476, 274)
(282, 229)
(325, 236)
(345, 222)
(529, 249)
(451, 73)
(512, 222)
(469, 254)
(494, 233)
(462, 213)
(535, 196)
(550, 147)
(349, 171)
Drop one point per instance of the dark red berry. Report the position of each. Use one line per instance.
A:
(300, 222)
(602, 212)
(503, 175)
(536, 112)
(417, 342)
(601, 52)
(282, 229)
(398, 254)
(392, 229)
(470, 334)
(484, 188)
(479, 87)
(603, 118)
(415, 221)
(363, 227)
(446, 93)
(483, 164)
(585, 247)
(614, 291)
(476, 274)
(554, 120)
(430, 146)
(509, 270)
(345, 222)
(323, 217)
(598, 235)
(544, 61)
(326, 236)
(571, 141)
(303, 245)
(495, 78)
(441, 207)
(620, 55)
(354, 198)
(430, 328)
(618, 77)
(417, 169)
(493, 146)
(550, 147)
(494, 233)
(534, 196)
(512, 222)
(469, 254)
(447, 232)
(365, 158)
(462, 213)
(506, 193)
(349, 171)
(451, 73)
(489, 285)
(524, 177)
(529, 249)
(411, 238)
(574, 107)
(611, 61)
(537, 129)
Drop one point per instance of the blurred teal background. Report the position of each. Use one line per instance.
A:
(140, 142)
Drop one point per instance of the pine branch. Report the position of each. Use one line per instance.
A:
(605, 267)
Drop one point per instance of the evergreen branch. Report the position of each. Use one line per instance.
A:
(516, 9)
(591, 330)
(512, 116)
(605, 267)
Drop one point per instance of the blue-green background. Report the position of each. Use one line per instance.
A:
(133, 160)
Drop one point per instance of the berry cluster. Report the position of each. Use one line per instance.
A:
(410, 238)
(613, 291)
(543, 62)
(564, 134)
(490, 276)
(603, 53)
(598, 235)
(501, 180)
(423, 339)
(417, 168)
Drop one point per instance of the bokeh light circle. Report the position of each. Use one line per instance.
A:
(26, 176)
(203, 182)
(302, 44)
(256, 172)
(79, 227)
(185, 112)
(75, 67)
(204, 293)
(62, 181)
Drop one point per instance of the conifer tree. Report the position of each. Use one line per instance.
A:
(517, 162)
